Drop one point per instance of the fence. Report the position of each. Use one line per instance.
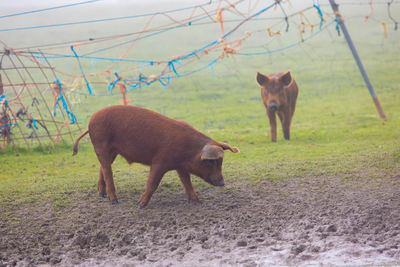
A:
(34, 109)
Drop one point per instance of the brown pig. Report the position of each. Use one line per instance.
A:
(143, 136)
(279, 93)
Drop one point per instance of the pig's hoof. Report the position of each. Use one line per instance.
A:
(194, 201)
(140, 207)
(102, 195)
(115, 202)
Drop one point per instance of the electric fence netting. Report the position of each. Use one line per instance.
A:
(35, 109)
(42, 82)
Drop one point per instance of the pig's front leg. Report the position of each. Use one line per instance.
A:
(285, 120)
(272, 123)
(187, 184)
(155, 176)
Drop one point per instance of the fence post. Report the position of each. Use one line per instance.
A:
(346, 34)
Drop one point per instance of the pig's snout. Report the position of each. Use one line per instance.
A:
(272, 106)
(221, 183)
(218, 182)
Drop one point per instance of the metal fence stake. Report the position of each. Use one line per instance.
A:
(346, 34)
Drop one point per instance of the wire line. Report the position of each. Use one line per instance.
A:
(47, 9)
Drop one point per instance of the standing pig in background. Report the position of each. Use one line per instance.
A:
(279, 93)
(143, 136)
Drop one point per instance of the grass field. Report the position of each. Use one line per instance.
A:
(336, 129)
(330, 195)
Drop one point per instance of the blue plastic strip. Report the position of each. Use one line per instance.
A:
(165, 84)
(71, 116)
(112, 84)
(83, 74)
(337, 26)
(172, 66)
(213, 71)
(3, 98)
(32, 123)
(320, 15)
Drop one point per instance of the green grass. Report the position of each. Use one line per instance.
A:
(336, 130)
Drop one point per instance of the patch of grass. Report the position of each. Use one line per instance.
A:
(336, 130)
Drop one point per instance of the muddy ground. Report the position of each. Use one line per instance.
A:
(309, 221)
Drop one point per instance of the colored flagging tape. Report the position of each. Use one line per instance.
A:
(83, 74)
(3, 98)
(71, 116)
(320, 15)
(32, 123)
(112, 84)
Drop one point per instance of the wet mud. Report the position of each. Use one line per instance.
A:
(313, 221)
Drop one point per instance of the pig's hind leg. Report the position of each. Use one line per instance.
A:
(106, 181)
(101, 184)
(109, 181)
(187, 184)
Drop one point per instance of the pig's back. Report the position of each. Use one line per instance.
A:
(139, 134)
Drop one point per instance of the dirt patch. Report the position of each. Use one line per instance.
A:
(304, 221)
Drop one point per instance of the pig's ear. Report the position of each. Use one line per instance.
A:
(226, 146)
(286, 78)
(211, 152)
(261, 79)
